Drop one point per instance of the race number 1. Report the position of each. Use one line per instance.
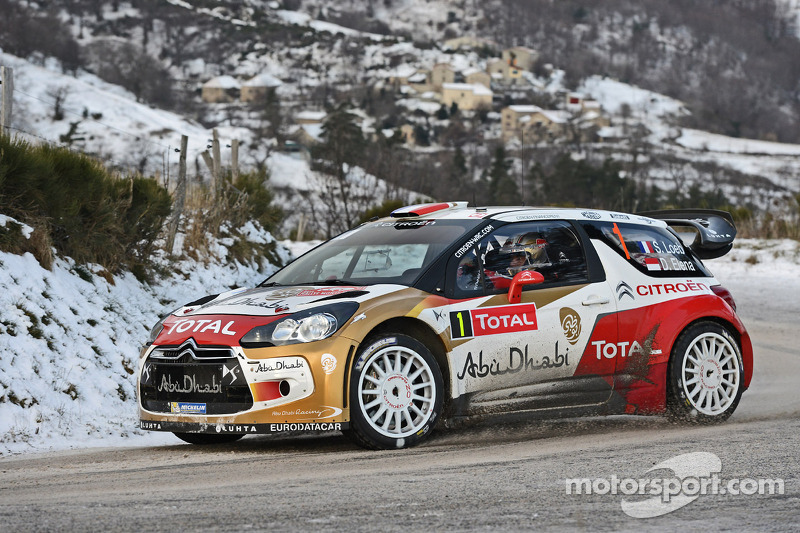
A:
(460, 325)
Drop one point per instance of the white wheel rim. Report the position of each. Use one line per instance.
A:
(396, 392)
(710, 373)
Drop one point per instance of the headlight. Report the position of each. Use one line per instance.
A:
(305, 326)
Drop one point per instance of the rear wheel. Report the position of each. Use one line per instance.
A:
(706, 376)
(396, 390)
(208, 438)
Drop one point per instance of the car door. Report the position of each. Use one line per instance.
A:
(535, 353)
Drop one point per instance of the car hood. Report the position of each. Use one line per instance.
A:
(270, 301)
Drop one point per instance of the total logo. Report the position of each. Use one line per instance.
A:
(201, 326)
(493, 320)
(610, 350)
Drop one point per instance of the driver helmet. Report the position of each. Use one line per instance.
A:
(525, 252)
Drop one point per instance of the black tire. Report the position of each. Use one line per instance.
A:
(705, 379)
(208, 438)
(397, 408)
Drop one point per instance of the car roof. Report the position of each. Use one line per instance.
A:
(460, 210)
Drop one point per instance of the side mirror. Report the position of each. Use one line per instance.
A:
(526, 277)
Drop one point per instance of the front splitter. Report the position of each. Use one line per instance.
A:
(243, 429)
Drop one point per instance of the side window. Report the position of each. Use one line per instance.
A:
(652, 250)
(551, 248)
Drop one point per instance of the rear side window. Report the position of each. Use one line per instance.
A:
(655, 251)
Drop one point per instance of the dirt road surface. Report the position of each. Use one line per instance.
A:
(488, 477)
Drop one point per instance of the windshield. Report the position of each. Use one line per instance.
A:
(393, 251)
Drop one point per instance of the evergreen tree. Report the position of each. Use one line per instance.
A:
(342, 147)
(502, 189)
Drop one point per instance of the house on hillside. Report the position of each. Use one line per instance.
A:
(467, 42)
(474, 75)
(530, 122)
(408, 134)
(310, 117)
(259, 87)
(399, 76)
(307, 128)
(442, 73)
(222, 89)
(420, 81)
(521, 57)
(510, 119)
(544, 124)
(467, 96)
(502, 72)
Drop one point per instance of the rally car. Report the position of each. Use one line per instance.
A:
(446, 312)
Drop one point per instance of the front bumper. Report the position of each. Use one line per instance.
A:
(227, 389)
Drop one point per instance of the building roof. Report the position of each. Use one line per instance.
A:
(559, 117)
(263, 80)
(475, 88)
(403, 71)
(222, 82)
(318, 116)
(525, 108)
(472, 70)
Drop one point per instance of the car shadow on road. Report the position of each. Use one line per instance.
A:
(495, 431)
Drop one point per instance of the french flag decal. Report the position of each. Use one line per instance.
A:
(645, 247)
(652, 263)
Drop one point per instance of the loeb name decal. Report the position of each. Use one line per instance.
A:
(493, 320)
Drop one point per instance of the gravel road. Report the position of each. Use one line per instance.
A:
(487, 477)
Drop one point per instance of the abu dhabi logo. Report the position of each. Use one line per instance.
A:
(623, 289)
(693, 475)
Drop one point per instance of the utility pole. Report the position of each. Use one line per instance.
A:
(522, 163)
(7, 81)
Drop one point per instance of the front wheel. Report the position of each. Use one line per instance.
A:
(396, 393)
(706, 375)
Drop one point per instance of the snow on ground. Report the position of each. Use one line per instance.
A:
(763, 277)
(650, 108)
(114, 123)
(702, 140)
(69, 341)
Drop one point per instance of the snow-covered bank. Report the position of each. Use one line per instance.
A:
(69, 340)
(69, 345)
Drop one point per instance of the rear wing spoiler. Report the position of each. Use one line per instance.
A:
(713, 230)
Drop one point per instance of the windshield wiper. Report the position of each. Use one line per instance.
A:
(345, 282)
(270, 284)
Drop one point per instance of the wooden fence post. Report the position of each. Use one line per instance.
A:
(180, 196)
(215, 150)
(234, 160)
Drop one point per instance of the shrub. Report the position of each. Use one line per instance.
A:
(258, 204)
(74, 204)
